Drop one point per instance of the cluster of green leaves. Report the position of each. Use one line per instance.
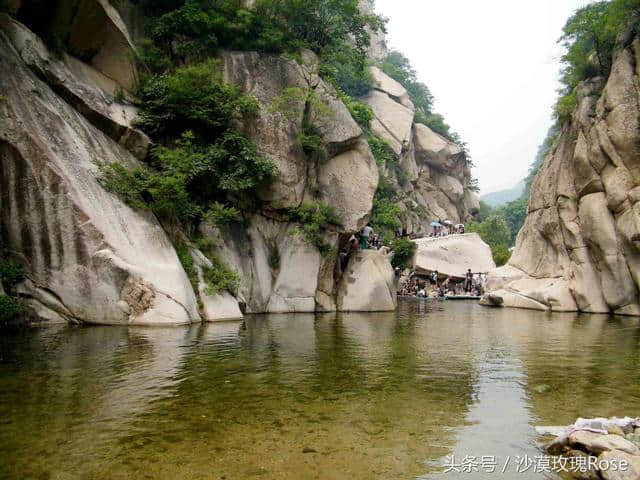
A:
(186, 260)
(361, 112)
(403, 252)
(385, 213)
(495, 231)
(188, 30)
(207, 160)
(10, 274)
(589, 37)
(10, 309)
(314, 219)
(193, 98)
(305, 106)
(219, 277)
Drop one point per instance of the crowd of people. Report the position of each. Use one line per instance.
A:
(367, 239)
(448, 228)
(411, 285)
(407, 282)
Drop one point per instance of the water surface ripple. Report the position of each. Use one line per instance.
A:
(366, 396)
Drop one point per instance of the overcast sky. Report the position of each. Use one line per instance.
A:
(492, 66)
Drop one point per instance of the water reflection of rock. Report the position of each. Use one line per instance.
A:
(588, 364)
(93, 384)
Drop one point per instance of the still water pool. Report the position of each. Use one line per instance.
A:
(345, 397)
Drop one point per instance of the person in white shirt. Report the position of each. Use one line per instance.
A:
(364, 237)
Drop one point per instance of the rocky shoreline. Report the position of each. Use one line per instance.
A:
(595, 449)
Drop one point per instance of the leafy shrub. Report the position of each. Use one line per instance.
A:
(10, 308)
(220, 277)
(222, 215)
(361, 112)
(291, 103)
(186, 260)
(197, 27)
(190, 176)
(347, 68)
(274, 257)
(385, 214)
(501, 254)
(381, 151)
(403, 251)
(192, 98)
(314, 219)
(564, 108)
(295, 103)
(494, 230)
(10, 273)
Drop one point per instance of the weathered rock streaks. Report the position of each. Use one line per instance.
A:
(579, 247)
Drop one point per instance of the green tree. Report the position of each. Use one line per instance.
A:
(514, 214)
(403, 252)
(495, 232)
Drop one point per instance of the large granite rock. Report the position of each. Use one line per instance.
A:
(81, 246)
(433, 149)
(89, 91)
(91, 30)
(392, 120)
(579, 247)
(346, 179)
(453, 255)
(431, 171)
(367, 285)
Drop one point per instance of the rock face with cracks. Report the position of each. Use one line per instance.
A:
(90, 258)
(81, 246)
(579, 248)
(431, 172)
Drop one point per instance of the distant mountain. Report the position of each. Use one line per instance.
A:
(495, 199)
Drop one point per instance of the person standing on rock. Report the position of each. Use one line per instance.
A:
(364, 237)
(468, 281)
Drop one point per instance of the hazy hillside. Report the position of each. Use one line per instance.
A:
(495, 199)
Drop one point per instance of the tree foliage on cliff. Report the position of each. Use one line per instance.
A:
(190, 30)
(495, 231)
(202, 159)
(10, 274)
(589, 37)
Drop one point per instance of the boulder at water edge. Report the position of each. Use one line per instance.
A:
(367, 284)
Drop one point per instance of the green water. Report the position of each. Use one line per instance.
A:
(366, 396)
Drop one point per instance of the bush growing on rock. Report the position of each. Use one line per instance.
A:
(10, 274)
(494, 230)
(403, 252)
(190, 177)
(10, 308)
(589, 37)
(192, 98)
(314, 219)
(219, 277)
(205, 159)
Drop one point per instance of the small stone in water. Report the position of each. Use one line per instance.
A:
(309, 450)
(542, 388)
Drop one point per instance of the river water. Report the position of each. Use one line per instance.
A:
(401, 395)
